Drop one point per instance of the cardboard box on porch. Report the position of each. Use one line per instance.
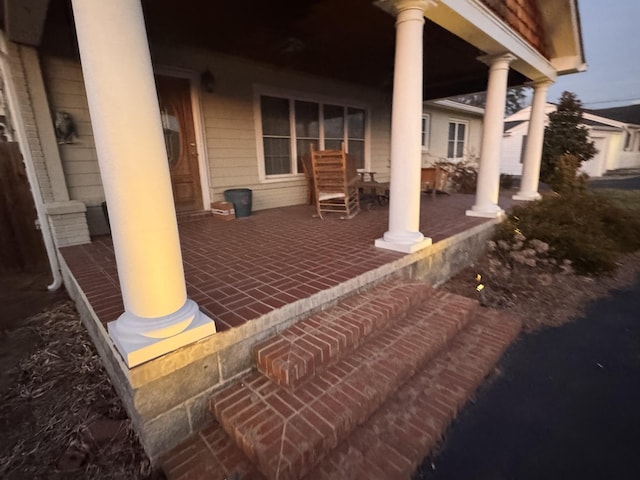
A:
(223, 210)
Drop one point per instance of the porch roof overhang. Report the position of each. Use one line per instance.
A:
(23, 20)
(351, 41)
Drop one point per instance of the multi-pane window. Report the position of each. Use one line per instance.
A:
(457, 139)
(424, 132)
(355, 134)
(276, 135)
(307, 128)
(290, 127)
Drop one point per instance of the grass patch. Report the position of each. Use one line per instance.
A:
(628, 200)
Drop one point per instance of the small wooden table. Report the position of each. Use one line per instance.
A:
(374, 191)
(364, 173)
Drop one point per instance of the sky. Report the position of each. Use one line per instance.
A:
(611, 41)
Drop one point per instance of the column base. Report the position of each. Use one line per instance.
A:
(527, 196)
(142, 339)
(410, 243)
(492, 211)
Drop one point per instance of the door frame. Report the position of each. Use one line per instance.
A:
(198, 124)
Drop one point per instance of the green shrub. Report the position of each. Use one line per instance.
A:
(565, 177)
(463, 175)
(581, 227)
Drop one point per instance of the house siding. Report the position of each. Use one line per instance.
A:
(511, 151)
(439, 134)
(66, 92)
(226, 120)
(611, 154)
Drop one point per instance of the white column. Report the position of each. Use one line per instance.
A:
(125, 117)
(535, 139)
(406, 117)
(488, 186)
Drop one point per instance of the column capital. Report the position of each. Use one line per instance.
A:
(541, 83)
(394, 7)
(495, 60)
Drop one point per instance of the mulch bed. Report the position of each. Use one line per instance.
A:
(60, 416)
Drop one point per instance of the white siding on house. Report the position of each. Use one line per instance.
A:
(65, 88)
(608, 134)
(511, 150)
(596, 166)
(439, 134)
(228, 124)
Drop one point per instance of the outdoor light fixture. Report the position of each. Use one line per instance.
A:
(207, 81)
(65, 127)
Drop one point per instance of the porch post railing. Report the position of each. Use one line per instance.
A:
(406, 116)
(535, 139)
(125, 117)
(488, 185)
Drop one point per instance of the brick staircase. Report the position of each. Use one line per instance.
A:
(362, 390)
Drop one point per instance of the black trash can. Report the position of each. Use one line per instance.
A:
(241, 199)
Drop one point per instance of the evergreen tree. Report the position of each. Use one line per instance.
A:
(565, 135)
(516, 97)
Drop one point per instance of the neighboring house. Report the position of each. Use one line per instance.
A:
(160, 106)
(451, 131)
(628, 149)
(615, 133)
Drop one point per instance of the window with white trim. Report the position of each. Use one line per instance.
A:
(627, 141)
(290, 126)
(457, 139)
(636, 141)
(425, 131)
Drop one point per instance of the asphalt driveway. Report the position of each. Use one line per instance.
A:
(565, 405)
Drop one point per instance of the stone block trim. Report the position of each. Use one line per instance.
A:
(68, 222)
(285, 433)
(406, 428)
(315, 343)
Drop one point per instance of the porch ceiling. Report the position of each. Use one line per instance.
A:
(352, 41)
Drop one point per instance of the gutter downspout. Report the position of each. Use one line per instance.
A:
(45, 228)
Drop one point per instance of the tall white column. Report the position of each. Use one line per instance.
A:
(488, 186)
(125, 117)
(535, 139)
(406, 117)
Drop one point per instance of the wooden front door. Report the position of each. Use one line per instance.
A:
(179, 134)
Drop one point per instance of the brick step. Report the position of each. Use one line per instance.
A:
(319, 341)
(208, 455)
(411, 422)
(403, 431)
(286, 432)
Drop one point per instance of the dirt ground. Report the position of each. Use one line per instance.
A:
(59, 414)
(61, 417)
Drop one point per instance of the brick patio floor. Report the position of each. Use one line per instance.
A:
(242, 269)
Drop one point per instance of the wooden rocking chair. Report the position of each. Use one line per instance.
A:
(336, 182)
